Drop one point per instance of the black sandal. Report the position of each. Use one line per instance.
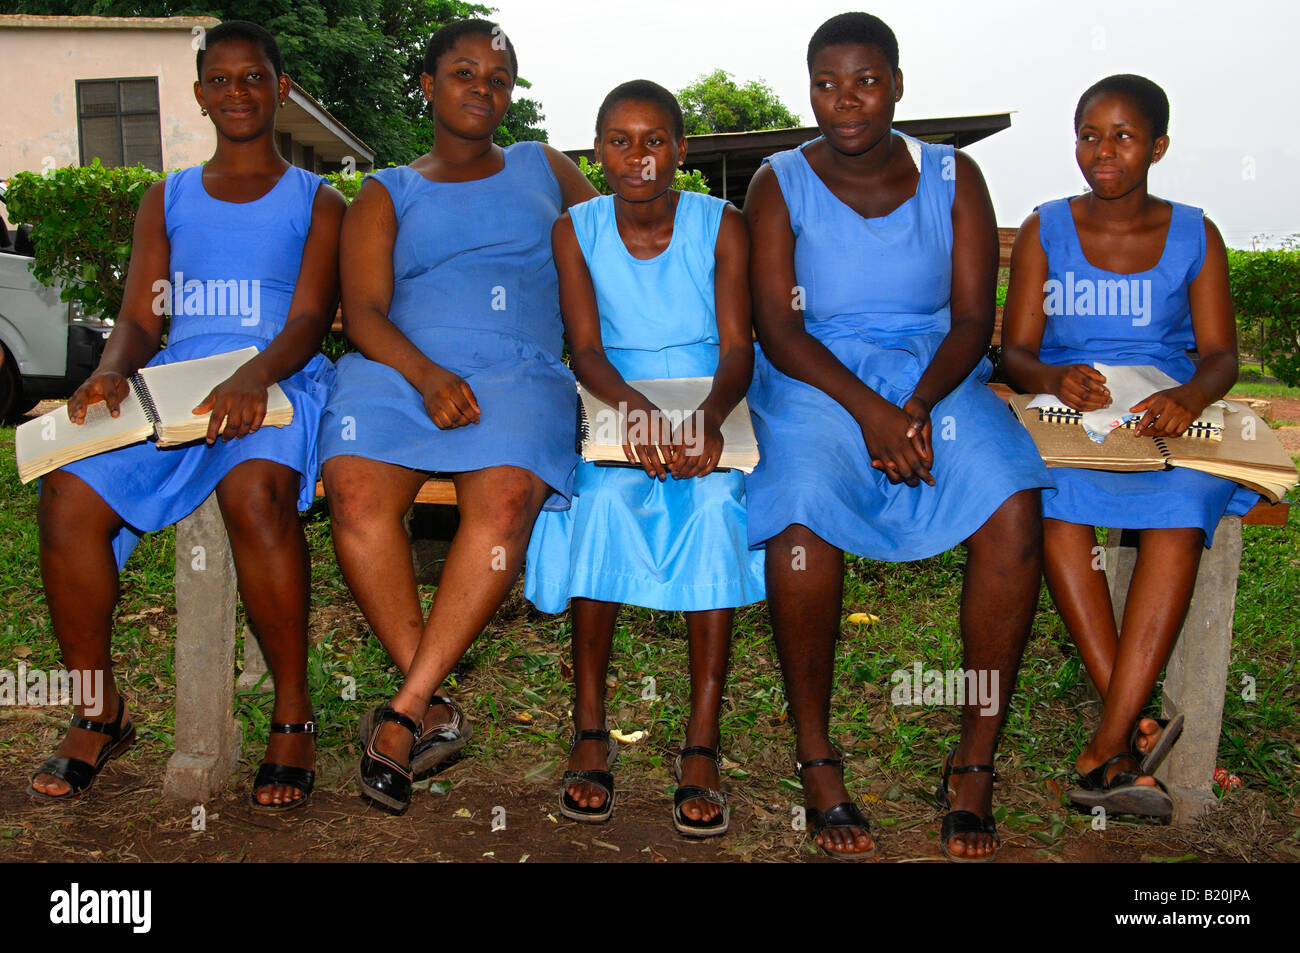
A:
(593, 776)
(383, 781)
(846, 814)
(442, 742)
(1122, 794)
(1171, 729)
(304, 779)
(964, 822)
(713, 827)
(79, 775)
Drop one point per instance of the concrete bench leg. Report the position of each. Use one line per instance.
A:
(254, 666)
(1197, 673)
(207, 738)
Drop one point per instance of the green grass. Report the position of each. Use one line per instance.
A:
(1252, 381)
(516, 682)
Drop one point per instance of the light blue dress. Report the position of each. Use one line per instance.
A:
(1158, 333)
(214, 242)
(877, 296)
(474, 288)
(629, 538)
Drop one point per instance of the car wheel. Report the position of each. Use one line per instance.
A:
(11, 388)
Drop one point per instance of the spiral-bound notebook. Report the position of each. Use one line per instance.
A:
(159, 404)
(1248, 452)
(601, 428)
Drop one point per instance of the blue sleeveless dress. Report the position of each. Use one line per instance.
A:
(258, 245)
(877, 296)
(1159, 333)
(474, 288)
(629, 538)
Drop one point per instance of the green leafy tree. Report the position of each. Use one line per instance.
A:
(716, 103)
(361, 59)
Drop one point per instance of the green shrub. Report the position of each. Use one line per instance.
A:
(82, 219)
(1266, 296)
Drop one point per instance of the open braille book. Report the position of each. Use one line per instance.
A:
(602, 428)
(1247, 451)
(159, 405)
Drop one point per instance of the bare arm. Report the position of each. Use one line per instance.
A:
(366, 270)
(574, 186)
(1080, 386)
(887, 431)
(974, 279)
(137, 333)
(735, 343)
(1169, 413)
(590, 363)
(241, 400)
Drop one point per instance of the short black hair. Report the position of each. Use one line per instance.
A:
(241, 30)
(1150, 99)
(448, 35)
(860, 28)
(643, 90)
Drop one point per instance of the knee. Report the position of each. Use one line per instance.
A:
(67, 511)
(1015, 530)
(355, 504)
(258, 509)
(510, 507)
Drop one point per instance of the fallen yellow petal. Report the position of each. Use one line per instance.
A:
(631, 739)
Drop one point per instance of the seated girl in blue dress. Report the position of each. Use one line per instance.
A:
(653, 284)
(1173, 254)
(873, 265)
(245, 216)
(450, 294)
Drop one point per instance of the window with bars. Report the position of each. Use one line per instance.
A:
(118, 122)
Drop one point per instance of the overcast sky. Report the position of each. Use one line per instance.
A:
(1229, 70)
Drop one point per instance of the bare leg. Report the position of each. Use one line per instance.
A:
(368, 499)
(1077, 581)
(593, 637)
(79, 572)
(998, 597)
(498, 507)
(710, 638)
(1158, 598)
(258, 500)
(805, 592)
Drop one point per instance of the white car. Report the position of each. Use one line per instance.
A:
(47, 347)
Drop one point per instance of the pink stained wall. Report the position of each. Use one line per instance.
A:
(38, 124)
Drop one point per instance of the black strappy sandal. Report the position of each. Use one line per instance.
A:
(304, 779)
(846, 814)
(437, 746)
(964, 822)
(79, 775)
(382, 780)
(593, 776)
(1122, 794)
(713, 827)
(442, 742)
(1171, 729)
